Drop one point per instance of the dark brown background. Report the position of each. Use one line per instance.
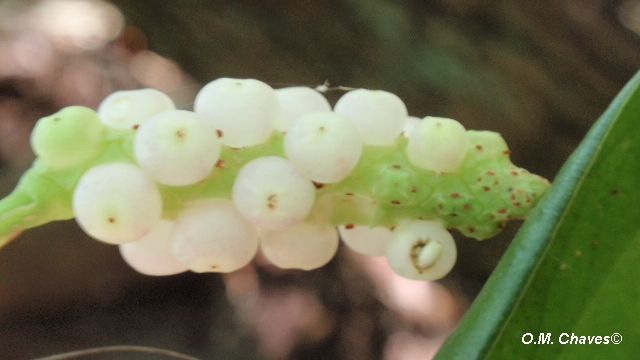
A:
(539, 72)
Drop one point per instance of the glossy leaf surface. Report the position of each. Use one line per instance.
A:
(573, 267)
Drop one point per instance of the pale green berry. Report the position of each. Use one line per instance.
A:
(272, 194)
(177, 147)
(212, 236)
(68, 137)
(303, 246)
(152, 255)
(421, 250)
(365, 240)
(324, 146)
(126, 109)
(379, 115)
(298, 101)
(438, 144)
(116, 203)
(245, 110)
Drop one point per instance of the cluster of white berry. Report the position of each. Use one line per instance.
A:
(272, 196)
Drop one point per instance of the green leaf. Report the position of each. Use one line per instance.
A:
(574, 266)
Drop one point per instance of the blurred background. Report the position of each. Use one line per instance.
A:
(538, 72)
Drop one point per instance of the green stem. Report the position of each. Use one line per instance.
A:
(384, 189)
(34, 202)
(14, 208)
